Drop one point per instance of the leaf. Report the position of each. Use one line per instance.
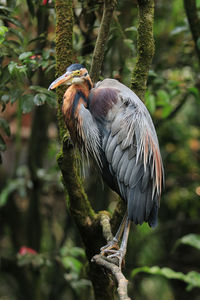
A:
(152, 73)
(195, 92)
(129, 44)
(40, 89)
(72, 264)
(5, 126)
(132, 28)
(17, 33)
(13, 21)
(7, 9)
(51, 96)
(2, 144)
(17, 70)
(15, 95)
(39, 99)
(5, 99)
(77, 252)
(150, 102)
(12, 66)
(25, 55)
(191, 239)
(163, 97)
(192, 278)
(72, 251)
(27, 103)
(3, 30)
(31, 7)
(166, 110)
(179, 29)
(10, 187)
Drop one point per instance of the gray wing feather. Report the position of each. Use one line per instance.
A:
(128, 172)
(115, 128)
(122, 170)
(136, 175)
(117, 155)
(111, 148)
(132, 151)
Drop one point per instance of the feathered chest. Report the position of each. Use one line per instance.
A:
(74, 98)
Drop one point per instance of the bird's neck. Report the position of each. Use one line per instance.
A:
(75, 96)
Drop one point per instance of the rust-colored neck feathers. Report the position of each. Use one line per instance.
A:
(75, 96)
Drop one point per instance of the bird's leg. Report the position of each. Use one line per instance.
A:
(113, 244)
(120, 253)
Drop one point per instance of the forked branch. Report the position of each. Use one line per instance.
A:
(122, 282)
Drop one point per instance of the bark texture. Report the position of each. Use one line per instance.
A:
(98, 55)
(88, 222)
(145, 45)
(194, 22)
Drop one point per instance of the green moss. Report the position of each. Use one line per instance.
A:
(145, 47)
(64, 50)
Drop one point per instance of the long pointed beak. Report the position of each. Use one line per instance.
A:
(60, 80)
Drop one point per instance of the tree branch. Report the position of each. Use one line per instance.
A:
(64, 50)
(87, 221)
(98, 55)
(79, 204)
(106, 227)
(174, 112)
(194, 22)
(116, 271)
(145, 46)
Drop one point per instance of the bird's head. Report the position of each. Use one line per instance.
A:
(75, 74)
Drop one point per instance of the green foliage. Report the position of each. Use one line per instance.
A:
(21, 184)
(189, 239)
(192, 279)
(20, 70)
(3, 31)
(32, 199)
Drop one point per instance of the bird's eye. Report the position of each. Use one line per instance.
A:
(85, 74)
(76, 73)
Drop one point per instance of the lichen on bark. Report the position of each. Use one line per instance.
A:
(87, 221)
(145, 47)
(98, 55)
(64, 50)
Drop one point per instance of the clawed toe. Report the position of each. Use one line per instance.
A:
(112, 251)
(109, 248)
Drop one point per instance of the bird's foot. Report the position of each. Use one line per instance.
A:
(119, 254)
(111, 246)
(113, 252)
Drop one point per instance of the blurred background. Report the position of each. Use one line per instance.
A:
(41, 254)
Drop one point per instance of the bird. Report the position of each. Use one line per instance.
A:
(111, 125)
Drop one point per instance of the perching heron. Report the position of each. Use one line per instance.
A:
(112, 126)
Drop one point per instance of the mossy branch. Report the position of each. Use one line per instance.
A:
(194, 22)
(64, 50)
(98, 55)
(79, 204)
(87, 221)
(145, 45)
